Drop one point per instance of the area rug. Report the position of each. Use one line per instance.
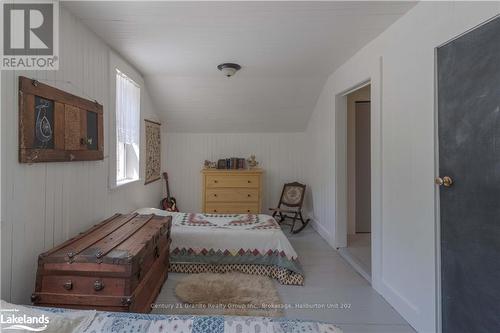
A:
(234, 294)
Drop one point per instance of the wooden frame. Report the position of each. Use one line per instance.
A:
(69, 138)
(151, 175)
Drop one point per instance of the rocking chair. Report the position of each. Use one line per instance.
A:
(292, 197)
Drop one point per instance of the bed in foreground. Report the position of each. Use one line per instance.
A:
(220, 243)
(69, 321)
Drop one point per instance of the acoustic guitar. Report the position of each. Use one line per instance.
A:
(169, 203)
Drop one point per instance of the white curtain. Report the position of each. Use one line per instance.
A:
(128, 104)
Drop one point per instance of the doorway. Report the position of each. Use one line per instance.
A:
(358, 249)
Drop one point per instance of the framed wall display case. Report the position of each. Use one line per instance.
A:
(55, 126)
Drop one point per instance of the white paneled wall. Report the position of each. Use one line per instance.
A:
(401, 66)
(281, 155)
(44, 204)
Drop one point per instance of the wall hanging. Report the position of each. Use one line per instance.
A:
(55, 126)
(153, 151)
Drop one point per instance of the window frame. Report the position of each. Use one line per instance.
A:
(117, 64)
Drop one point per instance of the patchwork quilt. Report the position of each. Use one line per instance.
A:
(121, 323)
(243, 242)
(56, 320)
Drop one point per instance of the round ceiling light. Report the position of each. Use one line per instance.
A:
(229, 69)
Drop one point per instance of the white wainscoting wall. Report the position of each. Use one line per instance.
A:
(45, 204)
(280, 155)
(401, 66)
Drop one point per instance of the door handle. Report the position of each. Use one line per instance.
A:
(446, 181)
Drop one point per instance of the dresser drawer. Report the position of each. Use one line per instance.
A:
(248, 181)
(231, 208)
(232, 195)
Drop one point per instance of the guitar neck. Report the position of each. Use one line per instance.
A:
(165, 175)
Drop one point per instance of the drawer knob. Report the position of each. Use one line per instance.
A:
(215, 210)
(249, 195)
(68, 285)
(126, 301)
(98, 285)
(248, 210)
(215, 195)
(249, 181)
(216, 181)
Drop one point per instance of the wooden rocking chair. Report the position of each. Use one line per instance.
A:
(292, 197)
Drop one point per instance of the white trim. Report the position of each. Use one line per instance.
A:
(341, 189)
(340, 116)
(437, 217)
(357, 87)
(126, 181)
(355, 263)
(377, 196)
(341, 196)
(340, 225)
(322, 231)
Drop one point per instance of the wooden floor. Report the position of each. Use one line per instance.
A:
(358, 253)
(329, 280)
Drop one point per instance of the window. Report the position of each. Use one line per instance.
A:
(128, 128)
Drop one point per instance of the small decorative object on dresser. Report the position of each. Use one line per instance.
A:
(209, 164)
(232, 191)
(252, 162)
(153, 151)
(117, 265)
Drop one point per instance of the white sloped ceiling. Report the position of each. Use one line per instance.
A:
(286, 49)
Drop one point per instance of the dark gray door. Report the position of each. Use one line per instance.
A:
(469, 153)
(363, 169)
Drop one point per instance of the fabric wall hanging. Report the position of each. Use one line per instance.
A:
(153, 151)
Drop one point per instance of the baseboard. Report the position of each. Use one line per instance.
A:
(408, 310)
(322, 231)
(358, 267)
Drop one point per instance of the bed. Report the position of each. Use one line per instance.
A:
(56, 320)
(219, 243)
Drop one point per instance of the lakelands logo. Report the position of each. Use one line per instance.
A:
(30, 35)
(10, 319)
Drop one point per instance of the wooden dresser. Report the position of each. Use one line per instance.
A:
(232, 191)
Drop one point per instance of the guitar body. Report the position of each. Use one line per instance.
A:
(169, 203)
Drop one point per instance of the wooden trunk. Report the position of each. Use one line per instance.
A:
(119, 264)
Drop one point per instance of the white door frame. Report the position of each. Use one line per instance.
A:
(341, 218)
(340, 225)
(341, 174)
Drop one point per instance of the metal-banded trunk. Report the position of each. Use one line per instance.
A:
(119, 264)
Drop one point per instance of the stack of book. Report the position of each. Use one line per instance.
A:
(231, 163)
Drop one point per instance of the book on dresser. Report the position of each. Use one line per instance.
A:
(233, 191)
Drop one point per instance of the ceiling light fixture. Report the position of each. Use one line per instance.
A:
(229, 69)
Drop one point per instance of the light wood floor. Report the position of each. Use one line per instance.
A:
(329, 280)
(358, 253)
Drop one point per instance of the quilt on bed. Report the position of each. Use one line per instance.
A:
(121, 323)
(85, 321)
(253, 244)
